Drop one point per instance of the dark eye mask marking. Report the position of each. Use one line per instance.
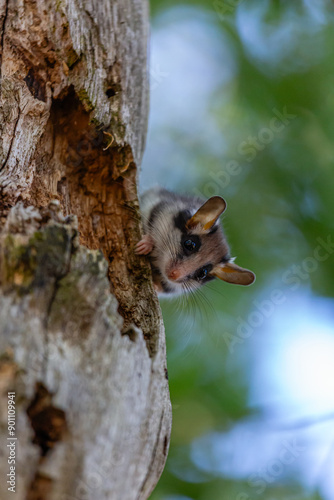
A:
(213, 229)
(181, 219)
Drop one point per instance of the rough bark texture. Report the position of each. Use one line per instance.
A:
(88, 366)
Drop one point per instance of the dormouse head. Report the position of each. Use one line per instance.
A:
(200, 252)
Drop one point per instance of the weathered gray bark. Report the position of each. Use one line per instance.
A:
(87, 365)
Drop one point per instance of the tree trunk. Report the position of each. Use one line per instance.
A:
(87, 364)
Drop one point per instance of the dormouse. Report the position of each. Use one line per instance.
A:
(185, 242)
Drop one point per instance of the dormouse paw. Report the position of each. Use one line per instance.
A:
(145, 245)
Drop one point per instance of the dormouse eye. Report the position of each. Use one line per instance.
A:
(202, 273)
(190, 245)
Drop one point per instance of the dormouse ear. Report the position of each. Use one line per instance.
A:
(208, 213)
(232, 273)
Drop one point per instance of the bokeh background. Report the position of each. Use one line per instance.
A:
(242, 105)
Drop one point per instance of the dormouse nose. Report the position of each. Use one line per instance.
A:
(174, 274)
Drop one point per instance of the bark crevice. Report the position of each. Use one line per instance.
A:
(3, 29)
(153, 454)
(11, 143)
(47, 421)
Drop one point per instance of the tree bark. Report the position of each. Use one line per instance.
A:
(82, 342)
